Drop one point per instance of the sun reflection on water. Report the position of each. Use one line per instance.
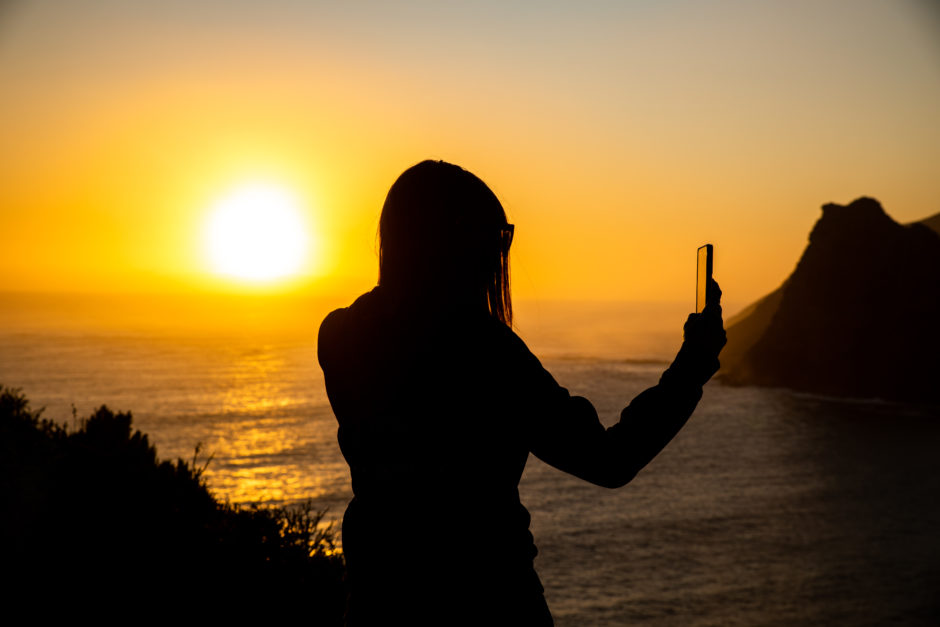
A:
(272, 433)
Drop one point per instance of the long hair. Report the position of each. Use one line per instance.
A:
(444, 232)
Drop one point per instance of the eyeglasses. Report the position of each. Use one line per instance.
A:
(505, 234)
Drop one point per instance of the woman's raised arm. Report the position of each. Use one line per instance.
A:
(564, 430)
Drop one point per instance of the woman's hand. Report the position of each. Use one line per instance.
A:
(704, 338)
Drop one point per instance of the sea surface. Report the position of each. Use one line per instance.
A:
(770, 507)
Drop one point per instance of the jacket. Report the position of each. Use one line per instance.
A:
(438, 412)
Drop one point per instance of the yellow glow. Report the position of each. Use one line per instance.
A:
(612, 183)
(256, 233)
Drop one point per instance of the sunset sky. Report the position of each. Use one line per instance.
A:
(618, 135)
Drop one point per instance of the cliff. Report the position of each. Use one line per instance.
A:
(858, 317)
(933, 222)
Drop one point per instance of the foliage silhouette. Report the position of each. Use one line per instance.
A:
(94, 512)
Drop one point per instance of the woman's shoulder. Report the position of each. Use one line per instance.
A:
(339, 327)
(511, 348)
(361, 307)
(507, 336)
(374, 314)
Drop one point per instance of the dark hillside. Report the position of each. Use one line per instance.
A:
(858, 316)
(933, 222)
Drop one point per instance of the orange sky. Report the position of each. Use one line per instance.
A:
(619, 136)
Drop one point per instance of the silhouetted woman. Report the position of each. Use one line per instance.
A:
(439, 404)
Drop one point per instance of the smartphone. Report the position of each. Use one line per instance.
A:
(703, 274)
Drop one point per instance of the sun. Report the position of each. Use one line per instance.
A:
(256, 232)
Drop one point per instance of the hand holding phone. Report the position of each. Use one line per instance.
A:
(705, 336)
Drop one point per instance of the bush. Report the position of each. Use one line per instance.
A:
(92, 511)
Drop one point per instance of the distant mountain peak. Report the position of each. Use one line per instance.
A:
(862, 205)
(857, 317)
(863, 217)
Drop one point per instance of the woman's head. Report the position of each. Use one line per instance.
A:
(443, 233)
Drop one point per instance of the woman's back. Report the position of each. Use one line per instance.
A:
(431, 426)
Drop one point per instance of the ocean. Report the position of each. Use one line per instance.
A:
(771, 507)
